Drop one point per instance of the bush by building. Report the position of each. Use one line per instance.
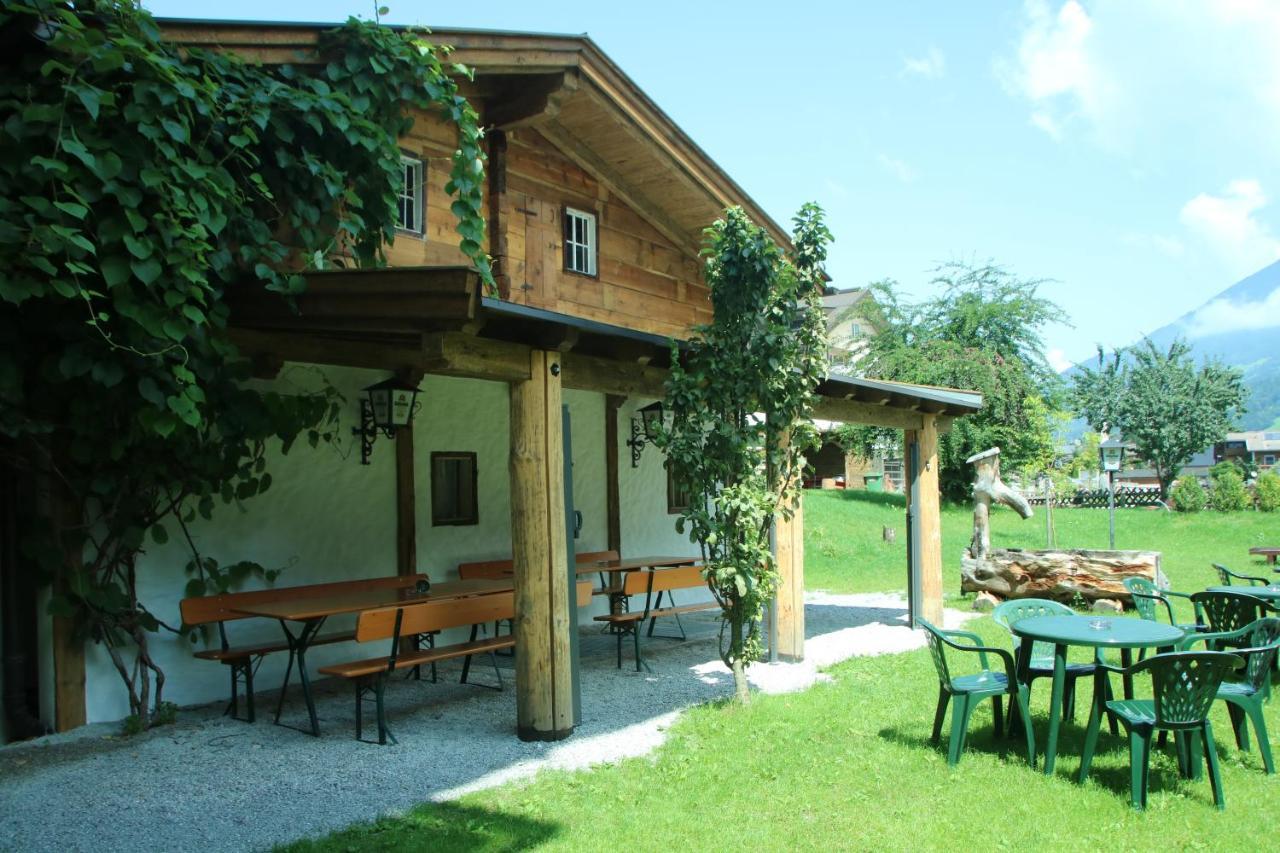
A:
(1229, 493)
(1266, 493)
(1187, 495)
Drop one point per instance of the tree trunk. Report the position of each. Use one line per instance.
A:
(741, 688)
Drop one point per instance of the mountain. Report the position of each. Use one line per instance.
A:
(1240, 326)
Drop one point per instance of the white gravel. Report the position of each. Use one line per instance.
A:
(212, 783)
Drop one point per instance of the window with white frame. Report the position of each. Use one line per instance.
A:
(579, 241)
(410, 200)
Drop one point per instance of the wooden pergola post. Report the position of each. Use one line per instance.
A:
(788, 611)
(544, 685)
(923, 489)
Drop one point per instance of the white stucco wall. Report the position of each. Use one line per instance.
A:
(328, 518)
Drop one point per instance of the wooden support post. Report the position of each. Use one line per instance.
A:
(789, 602)
(544, 685)
(930, 521)
(613, 511)
(68, 676)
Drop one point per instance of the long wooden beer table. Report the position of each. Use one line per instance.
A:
(312, 611)
(616, 568)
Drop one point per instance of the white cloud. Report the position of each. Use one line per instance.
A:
(1222, 316)
(1229, 225)
(1164, 244)
(898, 168)
(1058, 360)
(931, 66)
(1132, 72)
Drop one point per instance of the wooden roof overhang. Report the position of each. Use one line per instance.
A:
(567, 88)
(435, 320)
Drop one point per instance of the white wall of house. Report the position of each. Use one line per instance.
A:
(328, 518)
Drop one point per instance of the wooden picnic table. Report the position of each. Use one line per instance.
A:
(1269, 553)
(616, 568)
(312, 611)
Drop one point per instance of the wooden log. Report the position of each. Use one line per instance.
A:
(544, 678)
(1059, 575)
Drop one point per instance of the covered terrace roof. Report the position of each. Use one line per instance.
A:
(435, 320)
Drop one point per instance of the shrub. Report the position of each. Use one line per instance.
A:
(1187, 495)
(1267, 492)
(1229, 493)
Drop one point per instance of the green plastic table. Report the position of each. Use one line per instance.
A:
(1269, 593)
(1116, 632)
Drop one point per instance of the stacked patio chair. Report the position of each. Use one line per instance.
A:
(1225, 576)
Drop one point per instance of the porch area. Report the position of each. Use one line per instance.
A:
(218, 784)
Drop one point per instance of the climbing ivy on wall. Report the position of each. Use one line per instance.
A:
(139, 185)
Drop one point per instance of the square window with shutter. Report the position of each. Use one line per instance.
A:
(453, 489)
(677, 495)
(580, 241)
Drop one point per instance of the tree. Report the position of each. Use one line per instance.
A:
(1161, 402)
(141, 183)
(740, 398)
(983, 332)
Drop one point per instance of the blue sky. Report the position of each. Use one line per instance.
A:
(1124, 148)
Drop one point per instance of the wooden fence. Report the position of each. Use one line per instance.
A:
(1126, 497)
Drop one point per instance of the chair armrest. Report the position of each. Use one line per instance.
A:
(976, 647)
(1209, 638)
(1185, 595)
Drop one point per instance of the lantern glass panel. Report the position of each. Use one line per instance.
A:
(380, 401)
(651, 417)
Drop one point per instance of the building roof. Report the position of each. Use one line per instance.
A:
(1258, 441)
(844, 299)
(570, 91)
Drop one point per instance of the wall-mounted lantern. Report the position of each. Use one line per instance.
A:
(386, 407)
(645, 426)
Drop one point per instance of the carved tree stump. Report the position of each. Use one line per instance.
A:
(988, 488)
(1059, 575)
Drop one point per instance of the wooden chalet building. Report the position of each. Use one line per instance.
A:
(596, 206)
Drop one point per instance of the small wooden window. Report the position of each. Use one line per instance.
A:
(411, 199)
(453, 489)
(579, 241)
(678, 498)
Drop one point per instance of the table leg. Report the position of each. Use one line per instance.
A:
(1126, 661)
(298, 645)
(1022, 662)
(1055, 706)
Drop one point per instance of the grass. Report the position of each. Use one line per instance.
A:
(848, 763)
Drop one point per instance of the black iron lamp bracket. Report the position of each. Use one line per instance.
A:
(368, 431)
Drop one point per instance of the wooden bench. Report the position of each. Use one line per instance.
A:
(244, 660)
(662, 582)
(395, 623)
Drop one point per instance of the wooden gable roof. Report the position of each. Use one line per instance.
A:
(575, 95)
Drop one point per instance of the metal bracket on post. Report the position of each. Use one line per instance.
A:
(636, 442)
(368, 432)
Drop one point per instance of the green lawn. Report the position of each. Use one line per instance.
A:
(847, 763)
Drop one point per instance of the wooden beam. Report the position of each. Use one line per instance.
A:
(930, 521)
(457, 354)
(788, 610)
(612, 502)
(544, 685)
(537, 100)
(315, 349)
(592, 373)
(853, 411)
(616, 184)
(67, 641)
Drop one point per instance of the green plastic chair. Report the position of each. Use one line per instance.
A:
(1229, 612)
(1147, 598)
(1185, 685)
(1246, 696)
(1008, 613)
(1225, 576)
(969, 690)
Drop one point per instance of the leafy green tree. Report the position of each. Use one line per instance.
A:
(141, 183)
(983, 332)
(1266, 492)
(1161, 401)
(740, 398)
(1187, 495)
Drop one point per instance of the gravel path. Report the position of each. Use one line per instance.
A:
(212, 783)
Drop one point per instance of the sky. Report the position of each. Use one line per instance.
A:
(1125, 150)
